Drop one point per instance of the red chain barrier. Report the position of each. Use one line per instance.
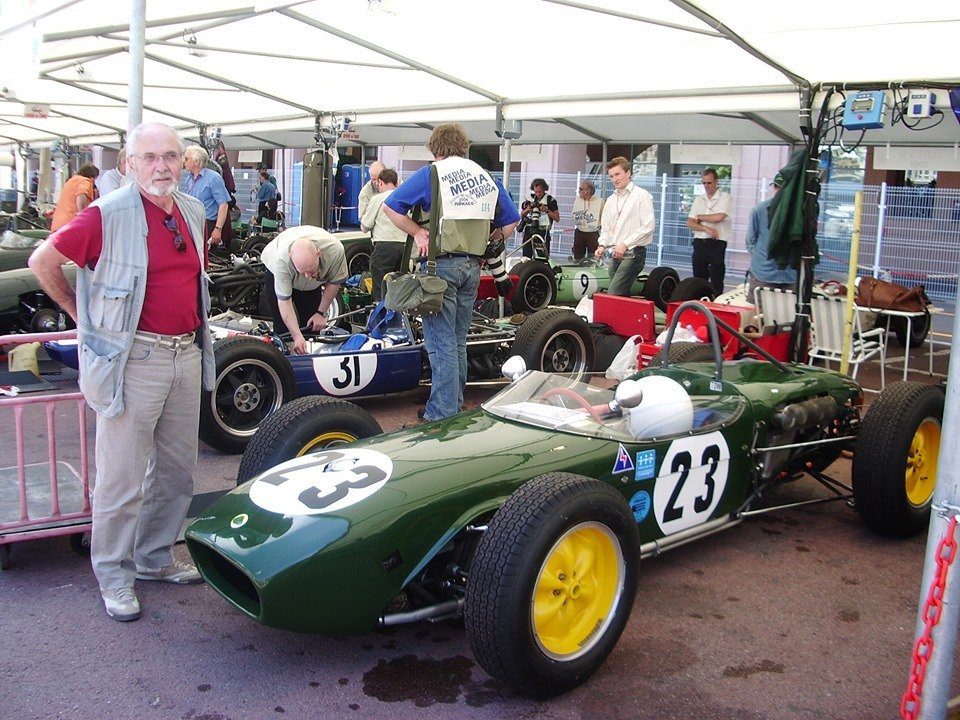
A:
(923, 649)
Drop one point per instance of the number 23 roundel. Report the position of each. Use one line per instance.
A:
(691, 481)
(324, 482)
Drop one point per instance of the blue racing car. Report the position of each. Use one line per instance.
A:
(256, 373)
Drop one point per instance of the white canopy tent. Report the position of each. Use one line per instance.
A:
(660, 71)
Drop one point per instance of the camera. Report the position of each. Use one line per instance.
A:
(533, 217)
(495, 256)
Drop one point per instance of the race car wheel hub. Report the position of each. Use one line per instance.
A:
(921, 473)
(246, 397)
(325, 440)
(564, 352)
(577, 590)
(245, 392)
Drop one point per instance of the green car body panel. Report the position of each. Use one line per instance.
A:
(336, 573)
(578, 281)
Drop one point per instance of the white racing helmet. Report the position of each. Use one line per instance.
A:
(664, 410)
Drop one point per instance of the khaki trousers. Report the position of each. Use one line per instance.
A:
(145, 462)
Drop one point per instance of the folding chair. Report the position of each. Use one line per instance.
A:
(774, 306)
(828, 317)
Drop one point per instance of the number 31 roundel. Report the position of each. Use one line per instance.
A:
(691, 481)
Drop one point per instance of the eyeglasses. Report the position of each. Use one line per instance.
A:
(170, 158)
(178, 242)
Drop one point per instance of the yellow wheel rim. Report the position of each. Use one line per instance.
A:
(577, 590)
(325, 440)
(921, 475)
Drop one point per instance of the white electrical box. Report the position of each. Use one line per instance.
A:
(921, 103)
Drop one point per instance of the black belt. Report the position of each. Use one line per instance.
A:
(446, 255)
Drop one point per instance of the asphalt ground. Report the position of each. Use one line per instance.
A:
(802, 613)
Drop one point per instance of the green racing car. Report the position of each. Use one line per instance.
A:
(529, 516)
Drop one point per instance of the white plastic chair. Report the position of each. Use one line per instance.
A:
(775, 306)
(828, 317)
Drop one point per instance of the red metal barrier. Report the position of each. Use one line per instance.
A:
(56, 522)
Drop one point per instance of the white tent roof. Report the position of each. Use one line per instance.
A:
(618, 70)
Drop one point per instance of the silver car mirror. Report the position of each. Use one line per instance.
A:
(514, 368)
(629, 394)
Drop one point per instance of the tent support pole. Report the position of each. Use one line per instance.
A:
(138, 29)
(603, 171)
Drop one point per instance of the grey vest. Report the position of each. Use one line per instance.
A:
(110, 296)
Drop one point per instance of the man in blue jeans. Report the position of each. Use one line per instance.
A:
(469, 199)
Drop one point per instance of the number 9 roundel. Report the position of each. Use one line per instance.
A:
(691, 481)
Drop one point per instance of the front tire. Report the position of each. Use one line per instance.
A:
(552, 584)
(555, 340)
(253, 380)
(306, 425)
(895, 463)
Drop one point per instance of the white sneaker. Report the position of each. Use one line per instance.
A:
(179, 573)
(121, 604)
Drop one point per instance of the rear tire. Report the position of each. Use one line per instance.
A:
(80, 544)
(253, 380)
(305, 425)
(681, 352)
(357, 253)
(660, 284)
(919, 328)
(555, 340)
(532, 623)
(895, 462)
(692, 288)
(536, 286)
(254, 244)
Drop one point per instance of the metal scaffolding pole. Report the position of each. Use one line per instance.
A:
(946, 496)
(507, 144)
(138, 29)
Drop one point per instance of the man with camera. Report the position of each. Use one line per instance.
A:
(537, 216)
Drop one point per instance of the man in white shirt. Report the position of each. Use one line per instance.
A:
(113, 178)
(389, 241)
(710, 220)
(627, 226)
(586, 212)
(370, 189)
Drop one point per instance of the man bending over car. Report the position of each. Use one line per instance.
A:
(305, 269)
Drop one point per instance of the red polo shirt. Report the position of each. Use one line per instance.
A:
(170, 305)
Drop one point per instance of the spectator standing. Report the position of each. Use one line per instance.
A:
(370, 188)
(208, 187)
(548, 213)
(764, 271)
(143, 349)
(110, 180)
(389, 241)
(305, 268)
(266, 197)
(586, 213)
(710, 220)
(627, 226)
(78, 192)
(469, 199)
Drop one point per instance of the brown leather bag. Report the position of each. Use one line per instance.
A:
(884, 295)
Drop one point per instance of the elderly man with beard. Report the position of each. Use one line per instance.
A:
(140, 306)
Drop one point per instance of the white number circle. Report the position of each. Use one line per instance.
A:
(584, 285)
(691, 482)
(343, 375)
(323, 482)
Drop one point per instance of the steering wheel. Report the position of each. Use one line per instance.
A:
(577, 397)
